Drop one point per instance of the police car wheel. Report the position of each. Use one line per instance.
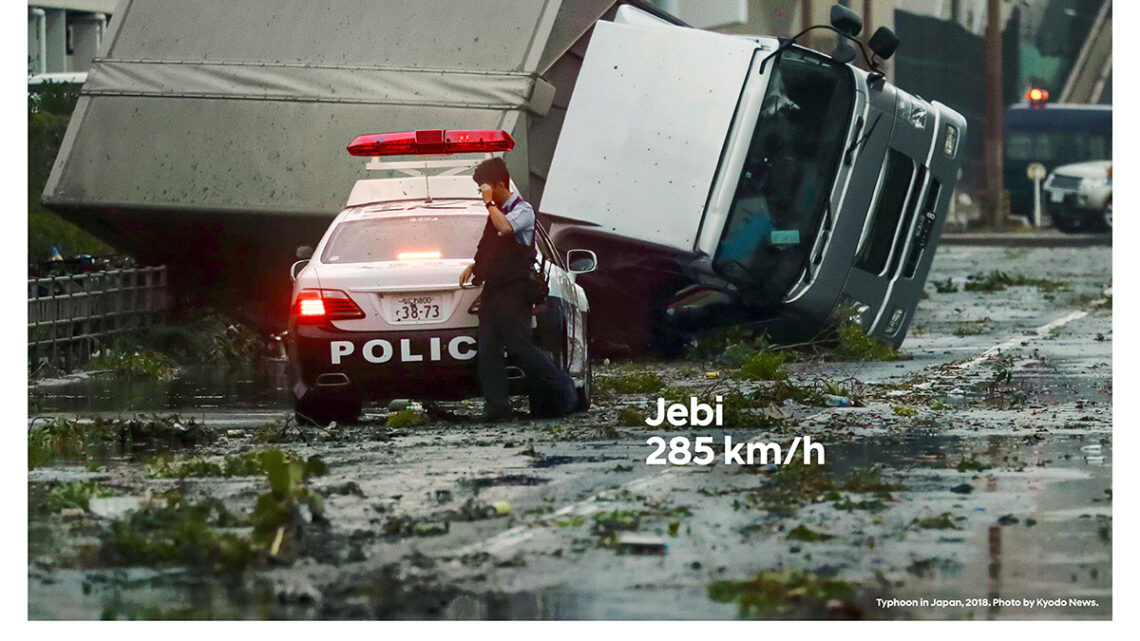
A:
(584, 392)
(323, 411)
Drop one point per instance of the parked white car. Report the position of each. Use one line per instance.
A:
(377, 312)
(1078, 197)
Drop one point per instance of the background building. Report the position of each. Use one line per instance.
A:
(63, 37)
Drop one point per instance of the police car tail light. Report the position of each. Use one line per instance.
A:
(431, 142)
(318, 305)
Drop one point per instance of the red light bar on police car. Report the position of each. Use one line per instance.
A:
(431, 142)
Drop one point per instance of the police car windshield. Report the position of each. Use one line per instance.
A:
(388, 238)
(787, 175)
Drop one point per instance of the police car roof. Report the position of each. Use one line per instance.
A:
(386, 190)
(443, 206)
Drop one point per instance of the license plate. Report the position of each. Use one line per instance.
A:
(410, 310)
(1056, 196)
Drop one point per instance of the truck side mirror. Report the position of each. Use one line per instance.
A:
(846, 21)
(304, 252)
(884, 43)
(581, 261)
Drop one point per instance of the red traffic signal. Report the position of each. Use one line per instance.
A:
(1037, 97)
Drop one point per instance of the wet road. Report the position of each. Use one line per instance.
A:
(978, 471)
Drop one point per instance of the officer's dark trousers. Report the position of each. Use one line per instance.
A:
(504, 322)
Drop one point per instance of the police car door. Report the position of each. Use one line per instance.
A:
(559, 325)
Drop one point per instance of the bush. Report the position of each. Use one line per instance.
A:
(764, 365)
(853, 344)
(47, 123)
(629, 383)
(210, 339)
(405, 418)
(134, 363)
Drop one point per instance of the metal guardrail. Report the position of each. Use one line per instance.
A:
(71, 316)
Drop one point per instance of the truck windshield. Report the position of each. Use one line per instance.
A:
(787, 176)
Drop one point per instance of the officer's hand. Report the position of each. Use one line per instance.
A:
(466, 275)
(486, 191)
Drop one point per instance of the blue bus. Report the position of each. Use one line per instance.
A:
(1053, 135)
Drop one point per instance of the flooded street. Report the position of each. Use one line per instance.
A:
(977, 470)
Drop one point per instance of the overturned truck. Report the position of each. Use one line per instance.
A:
(720, 179)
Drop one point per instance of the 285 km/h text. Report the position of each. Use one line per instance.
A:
(679, 450)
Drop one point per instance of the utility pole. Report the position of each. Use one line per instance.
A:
(806, 21)
(995, 107)
(868, 29)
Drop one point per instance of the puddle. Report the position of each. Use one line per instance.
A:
(508, 479)
(263, 386)
(554, 461)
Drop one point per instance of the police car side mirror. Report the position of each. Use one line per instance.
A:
(304, 252)
(581, 261)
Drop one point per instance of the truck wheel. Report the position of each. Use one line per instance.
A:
(322, 411)
(1106, 217)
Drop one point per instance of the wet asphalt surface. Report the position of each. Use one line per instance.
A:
(995, 440)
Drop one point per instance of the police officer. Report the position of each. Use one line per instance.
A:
(503, 262)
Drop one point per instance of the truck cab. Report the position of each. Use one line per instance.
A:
(750, 178)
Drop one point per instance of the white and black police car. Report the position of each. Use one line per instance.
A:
(377, 311)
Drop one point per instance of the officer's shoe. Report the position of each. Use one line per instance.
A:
(490, 416)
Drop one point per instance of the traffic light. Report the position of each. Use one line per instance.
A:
(1037, 97)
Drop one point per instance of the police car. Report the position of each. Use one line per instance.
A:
(377, 312)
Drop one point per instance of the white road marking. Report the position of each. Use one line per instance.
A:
(523, 533)
(1017, 340)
